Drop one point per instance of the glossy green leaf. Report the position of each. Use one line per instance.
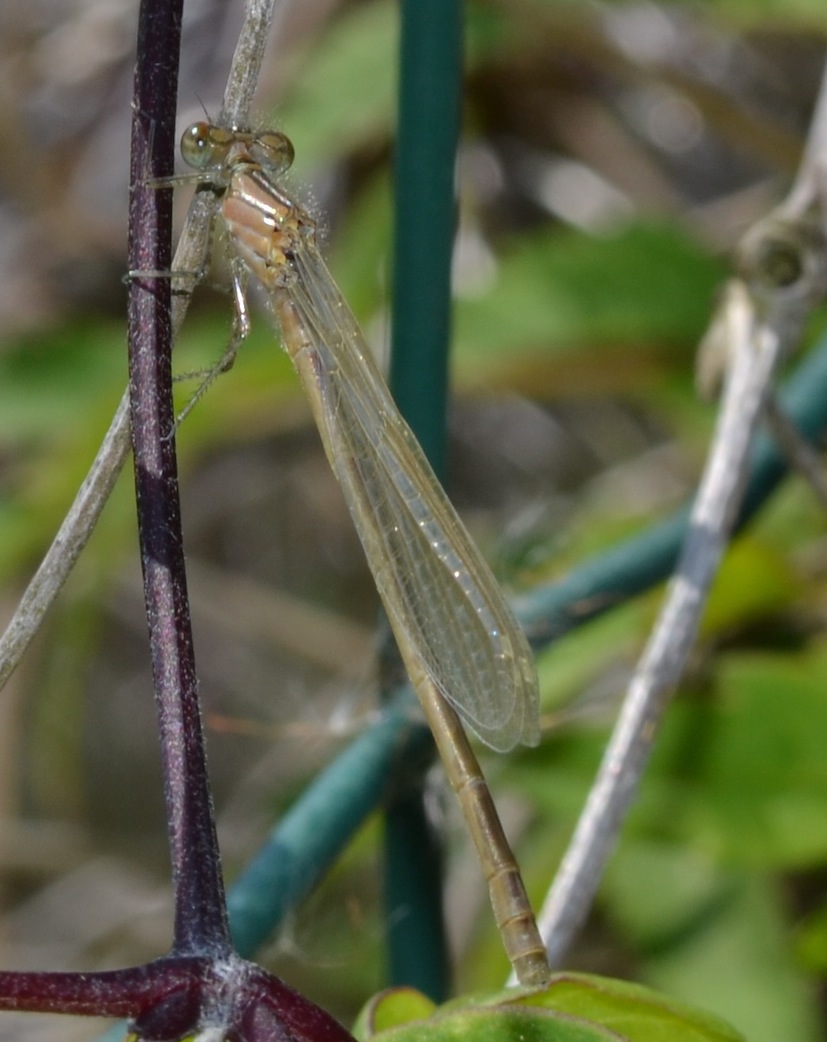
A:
(574, 1008)
(632, 1011)
(501, 1024)
(392, 1008)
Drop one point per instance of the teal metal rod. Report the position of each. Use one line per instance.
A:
(430, 92)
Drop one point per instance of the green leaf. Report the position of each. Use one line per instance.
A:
(500, 1024)
(346, 94)
(740, 775)
(392, 1008)
(574, 1008)
(811, 941)
(557, 290)
(631, 1010)
(754, 580)
(760, 786)
(712, 935)
(60, 381)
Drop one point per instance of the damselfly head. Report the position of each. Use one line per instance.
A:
(207, 147)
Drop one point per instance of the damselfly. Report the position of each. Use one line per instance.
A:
(458, 638)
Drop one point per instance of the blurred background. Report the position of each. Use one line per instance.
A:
(612, 153)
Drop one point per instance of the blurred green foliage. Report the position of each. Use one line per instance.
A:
(717, 892)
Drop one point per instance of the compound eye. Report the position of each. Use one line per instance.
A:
(274, 151)
(200, 146)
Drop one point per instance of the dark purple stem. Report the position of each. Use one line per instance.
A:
(174, 997)
(113, 993)
(200, 910)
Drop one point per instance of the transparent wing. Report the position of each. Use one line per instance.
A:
(440, 595)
